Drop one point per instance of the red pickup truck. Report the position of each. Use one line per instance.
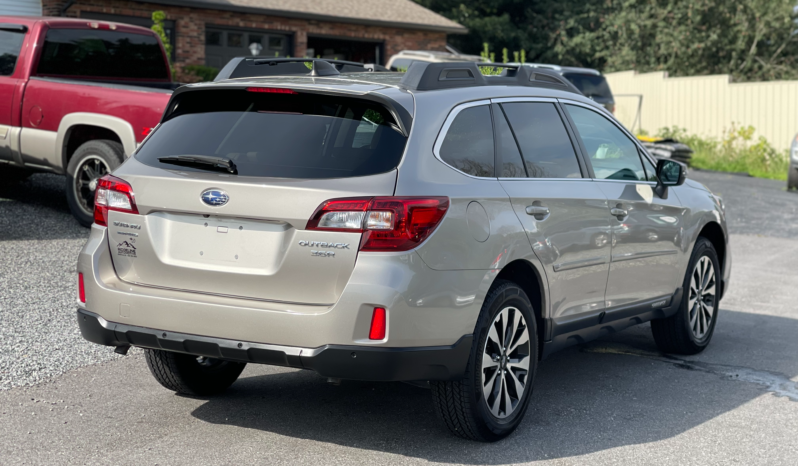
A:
(76, 98)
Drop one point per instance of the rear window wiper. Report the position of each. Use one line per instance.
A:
(202, 161)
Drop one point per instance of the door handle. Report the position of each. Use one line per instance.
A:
(619, 212)
(540, 212)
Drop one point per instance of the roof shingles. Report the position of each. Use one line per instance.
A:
(400, 13)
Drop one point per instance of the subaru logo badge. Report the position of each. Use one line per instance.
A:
(214, 197)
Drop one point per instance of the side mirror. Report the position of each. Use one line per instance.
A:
(669, 173)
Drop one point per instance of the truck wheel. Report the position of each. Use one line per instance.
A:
(12, 175)
(792, 178)
(91, 161)
(690, 329)
(491, 399)
(192, 375)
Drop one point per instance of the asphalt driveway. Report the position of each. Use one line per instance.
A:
(616, 400)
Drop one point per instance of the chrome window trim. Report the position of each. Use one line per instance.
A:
(508, 100)
(618, 125)
(436, 149)
(547, 179)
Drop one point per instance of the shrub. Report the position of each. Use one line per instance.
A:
(736, 151)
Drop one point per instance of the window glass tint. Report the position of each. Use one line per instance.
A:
(613, 155)
(590, 84)
(545, 146)
(10, 44)
(276, 135)
(468, 145)
(651, 170)
(512, 164)
(101, 54)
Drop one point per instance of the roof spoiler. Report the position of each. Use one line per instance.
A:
(256, 67)
(422, 76)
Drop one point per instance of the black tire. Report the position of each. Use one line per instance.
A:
(12, 175)
(91, 160)
(675, 334)
(460, 404)
(792, 178)
(190, 375)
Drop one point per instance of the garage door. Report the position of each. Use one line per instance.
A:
(21, 7)
(221, 45)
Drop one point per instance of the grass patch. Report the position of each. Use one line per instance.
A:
(737, 151)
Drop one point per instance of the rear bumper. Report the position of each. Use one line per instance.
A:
(339, 361)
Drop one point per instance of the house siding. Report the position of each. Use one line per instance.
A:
(21, 7)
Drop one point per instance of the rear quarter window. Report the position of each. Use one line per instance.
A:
(468, 144)
(95, 53)
(10, 45)
(308, 136)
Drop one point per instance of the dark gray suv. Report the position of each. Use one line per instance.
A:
(437, 226)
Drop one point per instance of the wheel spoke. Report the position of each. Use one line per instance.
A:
(522, 340)
(508, 404)
(489, 387)
(522, 363)
(519, 387)
(709, 276)
(497, 400)
(487, 361)
(516, 323)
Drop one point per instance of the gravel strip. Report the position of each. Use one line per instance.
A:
(39, 244)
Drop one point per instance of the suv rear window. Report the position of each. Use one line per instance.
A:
(102, 54)
(590, 85)
(279, 135)
(10, 44)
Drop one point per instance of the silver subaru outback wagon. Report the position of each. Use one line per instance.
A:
(438, 226)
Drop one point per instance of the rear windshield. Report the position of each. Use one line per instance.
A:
(10, 44)
(102, 54)
(279, 135)
(590, 85)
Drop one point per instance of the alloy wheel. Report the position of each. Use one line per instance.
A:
(505, 362)
(87, 175)
(701, 301)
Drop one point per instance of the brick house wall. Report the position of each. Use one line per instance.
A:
(190, 27)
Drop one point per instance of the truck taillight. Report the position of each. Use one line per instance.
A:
(112, 194)
(387, 223)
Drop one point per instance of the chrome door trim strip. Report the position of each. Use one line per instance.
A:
(641, 255)
(562, 266)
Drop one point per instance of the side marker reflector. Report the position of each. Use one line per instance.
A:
(378, 323)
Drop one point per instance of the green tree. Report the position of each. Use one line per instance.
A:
(749, 39)
(158, 17)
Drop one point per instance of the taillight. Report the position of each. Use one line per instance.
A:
(387, 223)
(81, 289)
(112, 194)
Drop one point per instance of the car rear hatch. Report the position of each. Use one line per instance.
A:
(237, 227)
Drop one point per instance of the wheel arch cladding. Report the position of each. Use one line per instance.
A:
(714, 233)
(77, 135)
(523, 274)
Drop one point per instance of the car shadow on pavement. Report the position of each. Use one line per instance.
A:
(614, 392)
(37, 209)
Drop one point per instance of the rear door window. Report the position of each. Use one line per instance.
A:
(544, 142)
(95, 53)
(468, 144)
(307, 136)
(10, 45)
(612, 154)
(512, 166)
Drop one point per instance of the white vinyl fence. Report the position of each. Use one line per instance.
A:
(706, 105)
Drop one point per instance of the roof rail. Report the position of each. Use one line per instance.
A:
(421, 76)
(255, 67)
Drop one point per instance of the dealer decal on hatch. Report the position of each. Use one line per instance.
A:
(126, 249)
